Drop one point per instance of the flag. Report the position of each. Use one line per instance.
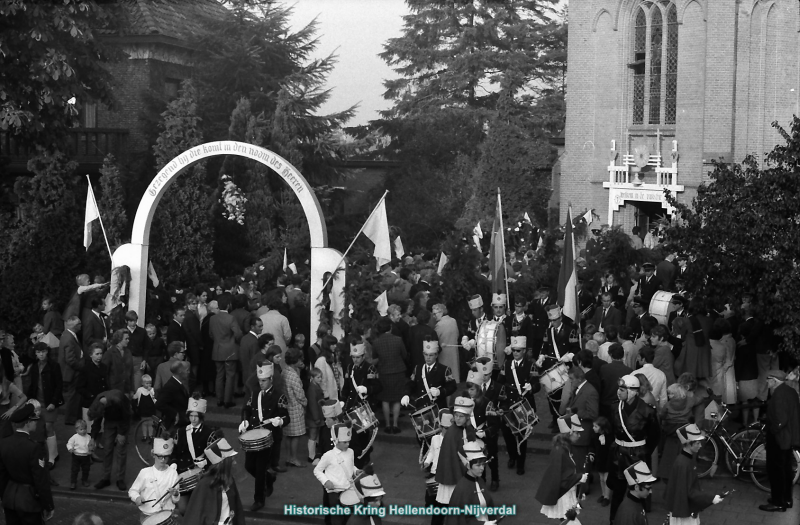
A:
(377, 229)
(151, 273)
(92, 214)
(284, 260)
(497, 261)
(567, 277)
(382, 304)
(587, 217)
(477, 235)
(398, 247)
(442, 263)
(527, 218)
(293, 268)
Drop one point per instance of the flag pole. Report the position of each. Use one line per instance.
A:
(99, 216)
(503, 245)
(575, 290)
(352, 243)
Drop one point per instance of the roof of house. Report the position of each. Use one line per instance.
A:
(179, 19)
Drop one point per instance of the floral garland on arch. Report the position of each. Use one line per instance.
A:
(232, 200)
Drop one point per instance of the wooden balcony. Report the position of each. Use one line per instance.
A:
(87, 146)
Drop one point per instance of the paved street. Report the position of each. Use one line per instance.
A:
(395, 462)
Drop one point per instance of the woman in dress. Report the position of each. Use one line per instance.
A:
(297, 402)
(723, 348)
(46, 387)
(216, 499)
(324, 363)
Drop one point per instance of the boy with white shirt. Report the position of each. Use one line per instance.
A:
(81, 446)
(336, 470)
(156, 488)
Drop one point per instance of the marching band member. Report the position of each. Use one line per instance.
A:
(216, 499)
(432, 457)
(371, 488)
(518, 383)
(631, 510)
(332, 413)
(470, 489)
(519, 324)
(484, 392)
(156, 488)
(190, 444)
(360, 381)
(475, 303)
(559, 493)
(499, 302)
(268, 409)
(336, 470)
(559, 347)
(636, 435)
(450, 468)
(470, 341)
(431, 382)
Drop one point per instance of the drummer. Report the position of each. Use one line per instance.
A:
(431, 460)
(266, 409)
(484, 392)
(475, 303)
(430, 383)
(332, 412)
(499, 304)
(560, 347)
(360, 382)
(336, 470)
(156, 488)
(450, 467)
(190, 445)
(519, 383)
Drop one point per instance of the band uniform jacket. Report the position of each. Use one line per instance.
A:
(273, 404)
(362, 375)
(440, 377)
(525, 373)
(539, 323)
(783, 416)
(514, 327)
(631, 512)
(205, 506)
(172, 401)
(647, 289)
(683, 496)
(226, 334)
(184, 449)
(585, 403)
(485, 411)
(586, 303)
(24, 481)
(469, 492)
(565, 338)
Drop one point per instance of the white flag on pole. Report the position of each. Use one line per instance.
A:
(442, 263)
(587, 217)
(151, 273)
(382, 304)
(477, 235)
(398, 247)
(377, 229)
(293, 268)
(92, 214)
(285, 265)
(527, 218)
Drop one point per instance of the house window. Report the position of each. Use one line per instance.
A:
(171, 87)
(655, 63)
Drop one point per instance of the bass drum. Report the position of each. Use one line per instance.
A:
(660, 306)
(486, 341)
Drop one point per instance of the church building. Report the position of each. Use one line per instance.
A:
(658, 89)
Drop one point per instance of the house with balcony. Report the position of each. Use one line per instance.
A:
(659, 89)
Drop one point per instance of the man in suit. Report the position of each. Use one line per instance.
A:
(70, 359)
(138, 343)
(93, 326)
(539, 322)
(639, 307)
(226, 334)
(666, 271)
(175, 331)
(485, 392)
(679, 305)
(606, 315)
(194, 341)
(518, 383)
(585, 402)
(609, 380)
(174, 396)
(430, 382)
(783, 435)
(586, 301)
(248, 347)
(417, 335)
(24, 482)
(592, 375)
(649, 283)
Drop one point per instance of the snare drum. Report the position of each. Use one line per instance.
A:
(661, 306)
(256, 439)
(350, 497)
(160, 518)
(187, 480)
(363, 418)
(521, 417)
(555, 378)
(426, 422)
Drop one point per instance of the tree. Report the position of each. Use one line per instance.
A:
(742, 231)
(111, 202)
(182, 231)
(50, 64)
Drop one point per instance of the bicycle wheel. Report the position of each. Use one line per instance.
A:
(144, 447)
(707, 457)
(739, 443)
(759, 470)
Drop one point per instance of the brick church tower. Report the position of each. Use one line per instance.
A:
(659, 88)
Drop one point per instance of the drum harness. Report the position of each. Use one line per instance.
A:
(521, 395)
(361, 396)
(425, 443)
(627, 444)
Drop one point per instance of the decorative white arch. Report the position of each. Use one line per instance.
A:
(135, 254)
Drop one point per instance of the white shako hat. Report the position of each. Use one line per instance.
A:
(499, 299)
(430, 346)
(463, 405)
(341, 432)
(638, 473)
(265, 371)
(330, 408)
(553, 312)
(474, 451)
(446, 418)
(571, 424)
(371, 486)
(475, 377)
(219, 450)
(357, 349)
(519, 341)
(690, 432)
(163, 447)
(476, 301)
(485, 365)
(197, 405)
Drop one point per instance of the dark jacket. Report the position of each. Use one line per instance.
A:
(610, 375)
(273, 404)
(172, 402)
(175, 332)
(138, 342)
(117, 410)
(440, 377)
(91, 381)
(416, 336)
(200, 440)
(206, 504)
(362, 375)
(783, 413)
(51, 384)
(24, 482)
(390, 352)
(524, 374)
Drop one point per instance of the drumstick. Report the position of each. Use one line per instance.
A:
(169, 490)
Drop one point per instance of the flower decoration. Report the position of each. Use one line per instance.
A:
(232, 200)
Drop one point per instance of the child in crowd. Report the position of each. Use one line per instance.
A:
(601, 446)
(81, 446)
(145, 405)
(314, 419)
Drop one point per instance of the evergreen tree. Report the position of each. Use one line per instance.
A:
(111, 203)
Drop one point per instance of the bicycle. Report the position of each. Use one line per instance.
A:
(745, 451)
(144, 447)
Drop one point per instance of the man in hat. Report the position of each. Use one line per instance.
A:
(560, 347)
(537, 310)
(484, 392)
(470, 491)
(431, 460)
(639, 307)
(24, 481)
(679, 309)
(431, 382)
(156, 488)
(475, 303)
(519, 324)
(450, 468)
(518, 384)
(683, 498)
(360, 382)
(267, 409)
(584, 402)
(499, 303)
(649, 283)
(372, 491)
(783, 435)
(636, 435)
(191, 443)
(336, 470)
(631, 510)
